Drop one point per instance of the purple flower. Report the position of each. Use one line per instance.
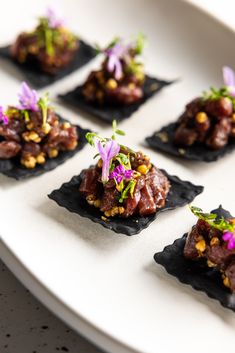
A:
(229, 79)
(28, 98)
(230, 238)
(3, 118)
(53, 20)
(115, 55)
(107, 152)
(120, 173)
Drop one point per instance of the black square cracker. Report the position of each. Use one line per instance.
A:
(194, 273)
(13, 169)
(68, 196)
(109, 113)
(38, 79)
(163, 141)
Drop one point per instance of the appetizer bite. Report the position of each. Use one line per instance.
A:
(51, 46)
(124, 191)
(120, 86)
(206, 129)
(205, 257)
(32, 133)
(51, 50)
(123, 182)
(213, 238)
(120, 80)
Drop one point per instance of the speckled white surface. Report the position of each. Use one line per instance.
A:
(26, 326)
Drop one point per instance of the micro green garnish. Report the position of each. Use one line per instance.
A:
(129, 188)
(226, 91)
(49, 42)
(43, 103)
(213, 220)
(124, 159)
(26, 115)
(227, 227)
(140, 43)
(92, 136)
(120, 56)
(116, 131)
(51, 33)
(116, 165)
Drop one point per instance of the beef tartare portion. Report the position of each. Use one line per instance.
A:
(121, 77)
(50, 47)
(123, 182)
(209, 120)
(212, 239)
(31, 131)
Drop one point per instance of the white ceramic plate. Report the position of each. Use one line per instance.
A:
(105, 285)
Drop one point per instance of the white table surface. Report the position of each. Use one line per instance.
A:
(26, 326)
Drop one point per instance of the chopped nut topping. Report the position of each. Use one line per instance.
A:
(114, 211)
(143, 169)
(210, 264)
(201, 117)
(46, 128)
(226, 281)
(131, 85)
(66, 125)
(29, 163)
(201, 245)
(53, 153)
(111, 84)
(97, 203)
(214, 241)
(41, 158)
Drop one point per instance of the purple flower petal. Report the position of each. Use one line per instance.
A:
(120, 173)
(231, 244)
(230, 238)
(53, 20)
(115, 54)
(107, 152)
(3, 118)
(111, 63)
(229, 76)
(227, 236)
(118, 70)
(28, 98)
(229, 79)
(128, 174)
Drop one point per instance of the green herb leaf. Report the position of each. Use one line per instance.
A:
(26, 116)
(124, 159)
(120, 132)
(129, 188)
(213, 220)
(116, 130)
(140, 43)
(90, 136)
(43, 103)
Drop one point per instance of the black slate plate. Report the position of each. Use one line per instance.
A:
(39, 79)
(194, 273)
(13, 169)
(68, 196)
(109, 113)
(163, 141)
